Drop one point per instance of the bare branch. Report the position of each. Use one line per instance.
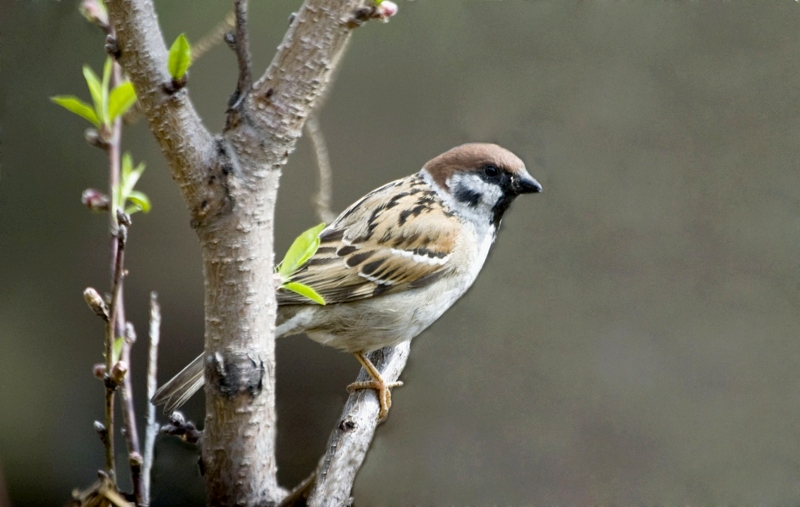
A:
(322, 200)
(242, 45)
(287, 92)
(113, 315)
(186, 143)
(349, 442)
(129, 421)
(152, 364)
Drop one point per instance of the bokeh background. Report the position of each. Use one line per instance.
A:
(633, 338)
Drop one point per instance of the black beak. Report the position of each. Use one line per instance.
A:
(526, 184)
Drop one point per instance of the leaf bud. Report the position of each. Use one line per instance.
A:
(95, 200)
(95, 302)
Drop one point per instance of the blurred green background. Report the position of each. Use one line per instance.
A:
(633, 337)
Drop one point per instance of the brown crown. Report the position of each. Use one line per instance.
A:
(472, 157)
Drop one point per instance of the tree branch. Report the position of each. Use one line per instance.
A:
(242, 46)
(349, 442)
(185, 142)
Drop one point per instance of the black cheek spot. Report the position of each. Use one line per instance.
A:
(467, 195)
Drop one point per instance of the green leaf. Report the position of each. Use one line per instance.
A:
(301, 250)
(180, 57)
(77, 106)
(96, 89)
(305, 291)
(119, 341)
(127, 165)
(140, 202)
(121, 99)
(132, 178)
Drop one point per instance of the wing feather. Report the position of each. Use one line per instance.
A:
(398, 237)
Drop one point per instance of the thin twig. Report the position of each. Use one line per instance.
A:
(299, 494)
(322, 200)
(110, 384)
(152, 364)
(121, 326)
(242, 45)
(213, 37)
(116, 314)
(129, 420)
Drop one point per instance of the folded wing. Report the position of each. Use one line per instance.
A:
(398, 237)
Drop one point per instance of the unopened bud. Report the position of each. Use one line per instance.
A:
(96, 303)
(119, 371)
(385, 10)
(176, 419)
(112, 47)
(135, 459)
(99, 370)
(95, 12)
(123, 218)
(95, 139)
(94, 199)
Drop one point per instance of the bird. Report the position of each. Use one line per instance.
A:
(394, 261)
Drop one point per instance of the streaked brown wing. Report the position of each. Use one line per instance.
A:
(395, 238)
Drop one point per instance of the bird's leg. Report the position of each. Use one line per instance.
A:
(377, 383)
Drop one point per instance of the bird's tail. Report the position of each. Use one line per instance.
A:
(181, 387)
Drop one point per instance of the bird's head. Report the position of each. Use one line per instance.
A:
(480, 180)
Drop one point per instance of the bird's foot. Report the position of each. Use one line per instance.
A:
(382, 389)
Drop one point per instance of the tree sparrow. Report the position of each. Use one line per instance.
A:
(394, 261)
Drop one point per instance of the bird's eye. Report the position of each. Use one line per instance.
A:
(491, 171)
